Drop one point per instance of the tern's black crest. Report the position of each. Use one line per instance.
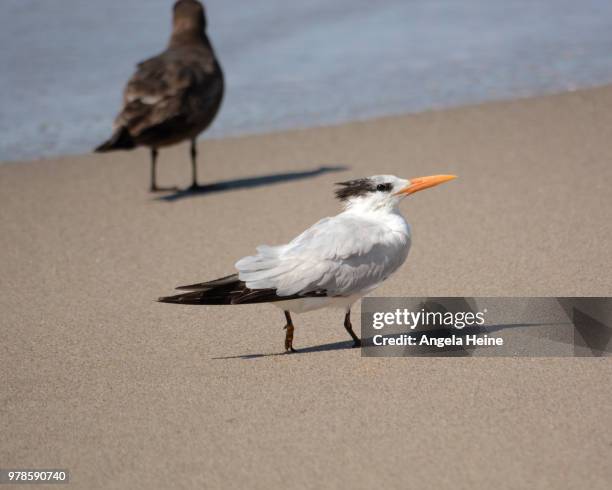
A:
(354, 188)
(360, 187)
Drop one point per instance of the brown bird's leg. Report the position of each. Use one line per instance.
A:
(289, 335)
(154, 186)
(349, 329)
(194, 165)
(154, 170)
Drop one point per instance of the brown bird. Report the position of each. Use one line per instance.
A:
(173, 96)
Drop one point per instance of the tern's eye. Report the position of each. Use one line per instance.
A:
(383, 187)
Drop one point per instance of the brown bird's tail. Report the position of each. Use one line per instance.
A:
(120, 140)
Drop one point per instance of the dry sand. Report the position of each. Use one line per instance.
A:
(129, 393)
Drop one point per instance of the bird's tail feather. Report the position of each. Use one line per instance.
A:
(198, 298)
(120, 140)
(229, 290)
(222, 281)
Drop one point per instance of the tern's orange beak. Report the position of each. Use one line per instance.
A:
(420, 183)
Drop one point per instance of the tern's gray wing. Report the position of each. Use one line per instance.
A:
(342, 255)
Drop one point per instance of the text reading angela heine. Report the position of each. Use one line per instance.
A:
(440, 342)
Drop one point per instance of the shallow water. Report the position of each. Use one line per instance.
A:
(291, 64)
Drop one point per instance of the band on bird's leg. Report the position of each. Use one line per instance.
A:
(289, 334)
(349, 328)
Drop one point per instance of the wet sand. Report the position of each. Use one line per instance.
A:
(128, 393)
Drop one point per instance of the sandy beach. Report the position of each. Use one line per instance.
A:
(129, 393)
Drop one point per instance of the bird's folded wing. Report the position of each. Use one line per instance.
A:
(156, 92)
(341, 255)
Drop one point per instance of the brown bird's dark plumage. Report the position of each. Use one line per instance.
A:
(174, 96)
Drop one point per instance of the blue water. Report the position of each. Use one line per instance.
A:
(291, 63)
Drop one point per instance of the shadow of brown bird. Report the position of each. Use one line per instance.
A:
(173, 96)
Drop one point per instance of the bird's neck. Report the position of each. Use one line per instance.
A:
(188, 37)
(390, 216)
(367, 207)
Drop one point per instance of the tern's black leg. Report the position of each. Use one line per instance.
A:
(289, 335)
(349, 329)
(194, 164)
(154, 187)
